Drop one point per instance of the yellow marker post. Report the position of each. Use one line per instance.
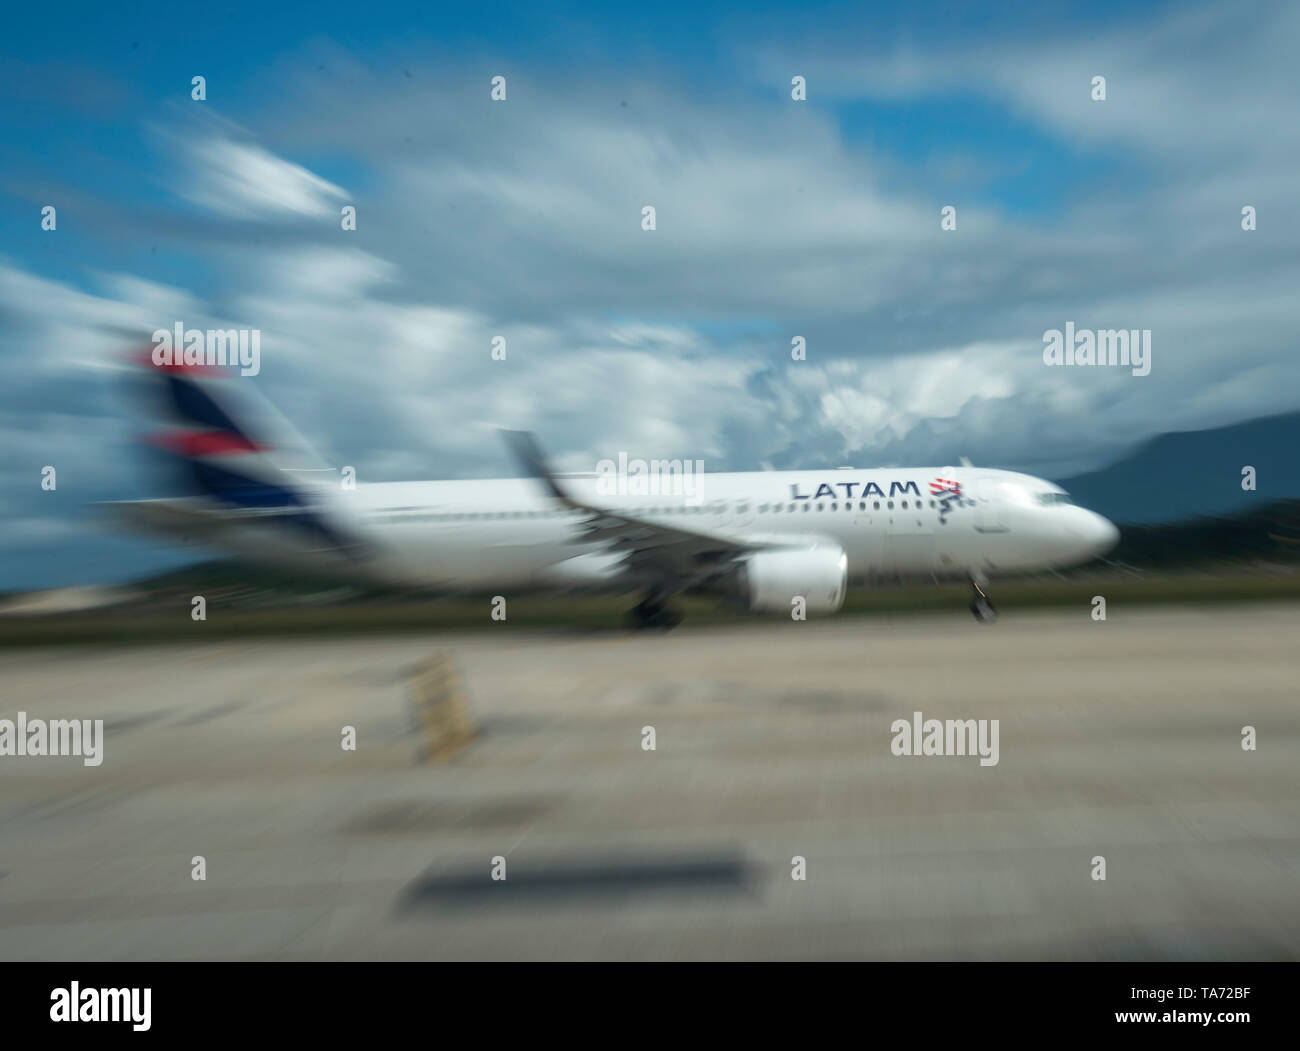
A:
(441, 707)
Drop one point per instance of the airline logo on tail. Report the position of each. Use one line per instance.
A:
(223, 459)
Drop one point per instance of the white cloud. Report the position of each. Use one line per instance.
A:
(243, 180)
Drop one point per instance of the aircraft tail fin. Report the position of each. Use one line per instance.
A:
(215, 438)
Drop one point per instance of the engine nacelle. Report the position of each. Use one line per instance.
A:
(770, 580)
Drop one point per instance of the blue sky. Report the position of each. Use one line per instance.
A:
(776, 218)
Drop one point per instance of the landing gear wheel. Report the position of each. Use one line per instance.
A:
(652, 616)
(981, 608)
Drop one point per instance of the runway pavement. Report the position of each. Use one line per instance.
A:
(1119, 740)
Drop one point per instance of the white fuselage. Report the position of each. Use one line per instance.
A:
(472, 535)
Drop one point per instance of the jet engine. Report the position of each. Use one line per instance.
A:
(770, 580)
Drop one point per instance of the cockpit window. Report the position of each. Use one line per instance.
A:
(1048, 499)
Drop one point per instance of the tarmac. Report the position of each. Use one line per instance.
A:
(1118, 740)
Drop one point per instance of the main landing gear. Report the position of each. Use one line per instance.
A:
(652, 614)
(980, 606)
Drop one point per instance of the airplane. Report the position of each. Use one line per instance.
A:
(768, 541)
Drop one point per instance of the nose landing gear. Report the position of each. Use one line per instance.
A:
(980, 605)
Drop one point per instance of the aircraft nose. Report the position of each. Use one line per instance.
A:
(1101, 533)
(1090, 534)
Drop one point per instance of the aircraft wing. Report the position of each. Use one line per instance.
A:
(651, 550)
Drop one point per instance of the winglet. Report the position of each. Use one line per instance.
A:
(529, 453)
